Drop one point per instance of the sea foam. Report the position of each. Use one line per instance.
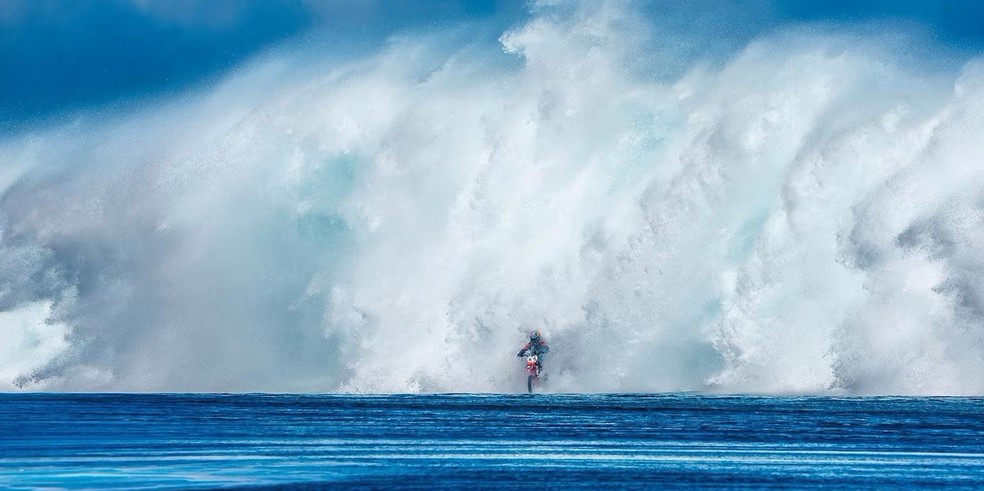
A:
(805, 214)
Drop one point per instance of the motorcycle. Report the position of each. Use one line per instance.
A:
(532, 372)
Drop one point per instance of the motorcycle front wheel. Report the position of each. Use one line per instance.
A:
(529, 384)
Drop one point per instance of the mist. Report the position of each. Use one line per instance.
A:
(801, 211)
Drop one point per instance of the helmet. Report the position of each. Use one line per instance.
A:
(534, 335)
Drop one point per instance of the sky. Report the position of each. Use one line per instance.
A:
(63, 55)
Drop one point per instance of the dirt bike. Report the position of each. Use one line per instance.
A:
(532, 372)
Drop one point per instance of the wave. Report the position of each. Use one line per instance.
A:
(804, 214)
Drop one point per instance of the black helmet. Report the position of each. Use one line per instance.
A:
(535, 335)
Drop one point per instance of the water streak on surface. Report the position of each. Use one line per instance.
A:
(173, 441)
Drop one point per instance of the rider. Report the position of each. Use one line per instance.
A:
(537, 346)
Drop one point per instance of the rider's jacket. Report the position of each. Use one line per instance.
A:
(538, 348)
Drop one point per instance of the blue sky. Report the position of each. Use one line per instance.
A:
(62, 55)
(953, 21)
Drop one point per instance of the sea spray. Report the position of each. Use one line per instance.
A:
(803, 215)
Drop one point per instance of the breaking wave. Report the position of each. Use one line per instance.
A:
(804, 214)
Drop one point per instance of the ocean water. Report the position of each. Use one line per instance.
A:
(452, 441)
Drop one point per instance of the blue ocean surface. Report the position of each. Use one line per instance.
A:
(455, 441)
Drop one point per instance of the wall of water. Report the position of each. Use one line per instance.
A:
(802, 214)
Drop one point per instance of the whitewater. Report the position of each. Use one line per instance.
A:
(802, 213)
